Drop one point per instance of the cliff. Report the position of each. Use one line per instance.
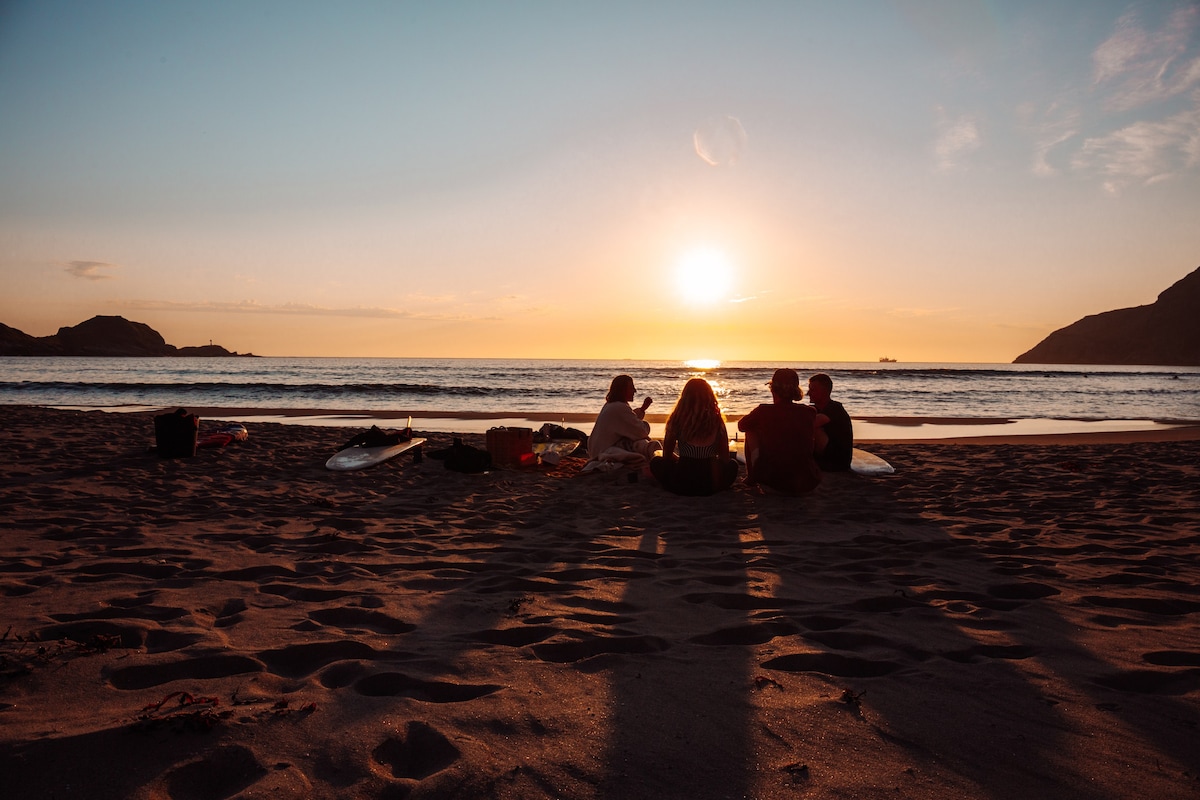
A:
(1166, 333)
(100, 336)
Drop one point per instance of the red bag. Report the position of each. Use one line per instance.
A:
(511, 447)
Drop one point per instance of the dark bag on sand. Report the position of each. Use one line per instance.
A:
(551, 432)
(175, 434)
(376, 438)
(464, 458)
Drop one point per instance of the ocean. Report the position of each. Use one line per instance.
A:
(1034, 398)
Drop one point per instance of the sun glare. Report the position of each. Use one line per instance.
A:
(704, 276)
(702, 363)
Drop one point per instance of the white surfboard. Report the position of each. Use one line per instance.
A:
(361, 457)
(865, 463)
(862, 462)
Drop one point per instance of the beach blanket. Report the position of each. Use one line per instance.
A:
(615, 458)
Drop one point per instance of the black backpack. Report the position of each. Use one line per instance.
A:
(464, 458)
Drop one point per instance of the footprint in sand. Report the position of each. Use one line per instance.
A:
(1167, 607)
(353, 617)
(570, 652)
(422, 751)
(103, 632)
(832, 664)
(1014, 652)
(1152, 681)
(746, 634)
(304, 659)
(229, 771)
(737, 601)
(396, 684)
(515, 637)
(203, 668)
(1172, 658)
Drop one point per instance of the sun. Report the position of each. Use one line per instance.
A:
(704, 276)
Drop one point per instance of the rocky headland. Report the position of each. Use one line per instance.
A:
(1165, 333)
(102, 336)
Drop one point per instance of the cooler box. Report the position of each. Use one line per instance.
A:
(175, 434)
(511, 447)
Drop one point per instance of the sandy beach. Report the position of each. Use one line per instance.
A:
(1003, 618)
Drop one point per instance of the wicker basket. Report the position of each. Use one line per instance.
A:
(511, 447)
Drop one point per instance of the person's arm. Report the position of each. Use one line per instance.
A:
(723, 441)
(640, 413)
(669, 441)
(630, 425)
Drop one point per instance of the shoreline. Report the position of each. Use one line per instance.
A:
(867, 429)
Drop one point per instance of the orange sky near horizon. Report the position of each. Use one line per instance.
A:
(928, 180)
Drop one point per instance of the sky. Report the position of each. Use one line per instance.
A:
(928, 180)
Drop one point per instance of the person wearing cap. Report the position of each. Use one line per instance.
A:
(780, 439)
(835, 432)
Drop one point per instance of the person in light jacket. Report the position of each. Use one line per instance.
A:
(621, 426)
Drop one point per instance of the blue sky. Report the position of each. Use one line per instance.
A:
(927, 180)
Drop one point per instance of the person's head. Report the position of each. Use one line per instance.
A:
(785, 385)
(820, 387)
(621, 389)
(697, 412)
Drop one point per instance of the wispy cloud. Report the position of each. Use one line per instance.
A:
(912, 312)
(302, 310)
(1051, 129)
(957, 138)
(90, 270)
(1137, 67)
(1133, 126)
(1144, 152)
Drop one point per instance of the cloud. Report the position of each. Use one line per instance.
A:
(956, 139)
(1043, 148)
(1051, 130)
(90, 270)
(1139, 123)
(1145, 152)
(302, 310)
(912, 312)
(1138, 67)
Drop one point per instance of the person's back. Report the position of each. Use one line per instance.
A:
(779, 439)
(839, 447)
(619, 425)
(835, 431)
(695, 459)
(615, 424)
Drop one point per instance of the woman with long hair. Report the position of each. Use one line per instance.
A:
(696, 428)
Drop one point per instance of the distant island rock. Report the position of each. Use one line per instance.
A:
(1164, 333)
(102, 336)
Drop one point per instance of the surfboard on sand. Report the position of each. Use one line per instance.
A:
(865, 463)
(362, 457)
(862, 462)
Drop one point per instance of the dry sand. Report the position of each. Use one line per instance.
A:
(994, 620)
